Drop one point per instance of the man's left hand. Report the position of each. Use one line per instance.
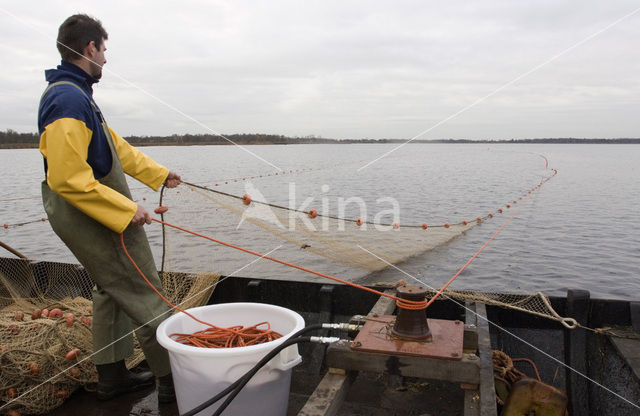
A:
(172, 180)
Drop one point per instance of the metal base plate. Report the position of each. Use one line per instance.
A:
(375, 336)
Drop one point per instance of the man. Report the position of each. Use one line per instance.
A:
(89, 205)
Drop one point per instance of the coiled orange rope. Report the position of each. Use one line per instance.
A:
(236, 336)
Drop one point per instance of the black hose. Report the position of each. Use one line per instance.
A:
(236, 386)
(247, 377)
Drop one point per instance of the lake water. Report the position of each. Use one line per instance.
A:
(580, 230)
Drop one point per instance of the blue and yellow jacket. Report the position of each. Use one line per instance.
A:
(77, 154)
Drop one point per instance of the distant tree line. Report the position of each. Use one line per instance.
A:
(11, 139)
(211, 139)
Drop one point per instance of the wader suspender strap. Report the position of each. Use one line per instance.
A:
(95, 107)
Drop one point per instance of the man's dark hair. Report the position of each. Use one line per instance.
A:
(76, 32)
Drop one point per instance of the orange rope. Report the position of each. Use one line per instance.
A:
(527, 196)
(216, 337)
(213, 337)
(407, 304)
(476, 255)
(401, 303)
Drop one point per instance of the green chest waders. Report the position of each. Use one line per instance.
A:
(122, 300)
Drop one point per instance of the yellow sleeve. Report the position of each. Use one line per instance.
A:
(137, 164)
(65, 143)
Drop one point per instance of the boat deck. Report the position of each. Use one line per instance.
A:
(336, 381)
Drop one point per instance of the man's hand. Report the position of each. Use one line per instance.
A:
(141, 217)
(172, 180)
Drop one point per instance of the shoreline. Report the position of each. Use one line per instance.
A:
(294, 141)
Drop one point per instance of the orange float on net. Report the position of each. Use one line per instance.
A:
(43, 219)
(396, 225)
(359, 221)
(55, 313)
(246, 199)
(313, 213)
(5, 225)
(161, 209)
(72, 355)
(491, 215)
(446, 225)
(62, 394)
(500, 210)
(479, 219)
(508, 206)
(424, 226)
(464, 222)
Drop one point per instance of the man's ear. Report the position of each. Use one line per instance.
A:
(90, 50)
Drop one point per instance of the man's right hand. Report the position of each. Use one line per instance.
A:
(141, 217)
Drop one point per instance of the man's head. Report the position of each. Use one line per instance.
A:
(81, 40)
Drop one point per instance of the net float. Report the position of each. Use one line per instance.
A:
(73, 354)
(55, 313)
(34, 368)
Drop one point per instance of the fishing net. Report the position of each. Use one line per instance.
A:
(241, 222)
(358, 244)
(35, 374)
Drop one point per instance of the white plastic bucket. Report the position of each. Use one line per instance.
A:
(201, 373)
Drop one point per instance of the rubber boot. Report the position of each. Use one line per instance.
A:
(114, 379)
(166, 392)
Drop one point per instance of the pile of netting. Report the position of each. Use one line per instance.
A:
(45, 330)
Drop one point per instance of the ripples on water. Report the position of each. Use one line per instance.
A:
(578, 231)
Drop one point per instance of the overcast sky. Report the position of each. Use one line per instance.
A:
(342, 69)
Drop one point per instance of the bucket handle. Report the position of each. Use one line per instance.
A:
(288, 358)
